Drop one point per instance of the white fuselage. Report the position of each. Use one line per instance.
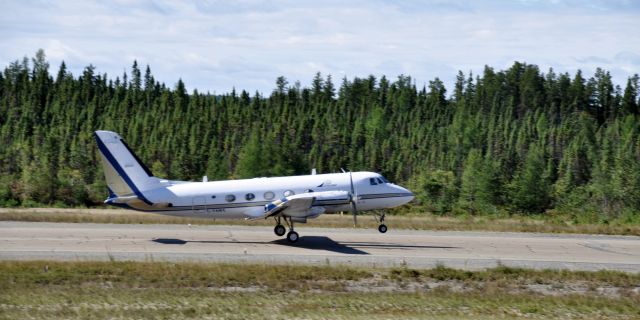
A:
(246, 198)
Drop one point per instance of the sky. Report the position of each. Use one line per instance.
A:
(214, 46)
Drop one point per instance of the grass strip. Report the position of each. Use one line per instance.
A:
(426, 221)
(119, 290)
(78, 303)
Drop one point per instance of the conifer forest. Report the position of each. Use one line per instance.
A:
(521, 140)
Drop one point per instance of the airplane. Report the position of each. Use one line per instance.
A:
(292, 199)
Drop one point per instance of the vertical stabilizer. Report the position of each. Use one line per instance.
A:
(125, 174)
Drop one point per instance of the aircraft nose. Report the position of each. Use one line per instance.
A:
(413, 196)
(408, 196)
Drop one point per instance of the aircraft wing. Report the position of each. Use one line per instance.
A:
(302, 205)
(292, 206)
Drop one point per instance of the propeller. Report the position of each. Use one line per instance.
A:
(353, 200)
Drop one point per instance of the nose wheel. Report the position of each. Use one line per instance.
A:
(381, 227)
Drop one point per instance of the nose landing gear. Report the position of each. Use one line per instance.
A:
(381, 227)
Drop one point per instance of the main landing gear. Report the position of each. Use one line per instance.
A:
(382, 227)
(292, 236)
(279, 230)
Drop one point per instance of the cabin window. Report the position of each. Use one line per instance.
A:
(213, 197)
(308, 191)
(269, 195)
(230, 198)
(289, 193)
(373, 181)
(250, 196)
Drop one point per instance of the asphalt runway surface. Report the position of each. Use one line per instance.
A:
(317, 246)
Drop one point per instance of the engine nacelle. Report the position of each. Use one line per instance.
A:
(299, 219)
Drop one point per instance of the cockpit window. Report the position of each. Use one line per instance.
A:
(380, 181)
(383, 179)
(373, 181)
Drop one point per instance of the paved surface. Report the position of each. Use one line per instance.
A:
(416, 249)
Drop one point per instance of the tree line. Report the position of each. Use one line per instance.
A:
(515, 140)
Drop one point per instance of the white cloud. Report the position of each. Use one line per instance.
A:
(217, 45)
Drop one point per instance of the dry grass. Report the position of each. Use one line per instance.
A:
(415, 221)
(124, 290)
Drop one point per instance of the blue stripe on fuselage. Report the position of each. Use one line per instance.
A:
(262, 204)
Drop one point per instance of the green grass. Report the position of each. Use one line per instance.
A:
(426, 221)
(190, 304)
(118, 290)
(175, 275)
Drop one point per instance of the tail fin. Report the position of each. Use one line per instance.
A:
(126, 175)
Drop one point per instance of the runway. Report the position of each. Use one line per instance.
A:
(318, 246)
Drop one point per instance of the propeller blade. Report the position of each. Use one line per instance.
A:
(354, 199)
(351, 180)
(353, 211)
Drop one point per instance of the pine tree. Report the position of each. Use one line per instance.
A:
(251, 162)
(629, 100)
(529, 188)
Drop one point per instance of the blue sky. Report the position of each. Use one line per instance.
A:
(217, 45)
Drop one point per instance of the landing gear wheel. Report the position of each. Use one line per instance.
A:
(292, 236)
(279, 230)
(382, 228)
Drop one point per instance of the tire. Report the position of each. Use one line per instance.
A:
(382, 228)
(279, 230)
(292, 236)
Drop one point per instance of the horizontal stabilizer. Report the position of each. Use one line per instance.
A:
(126, 199)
